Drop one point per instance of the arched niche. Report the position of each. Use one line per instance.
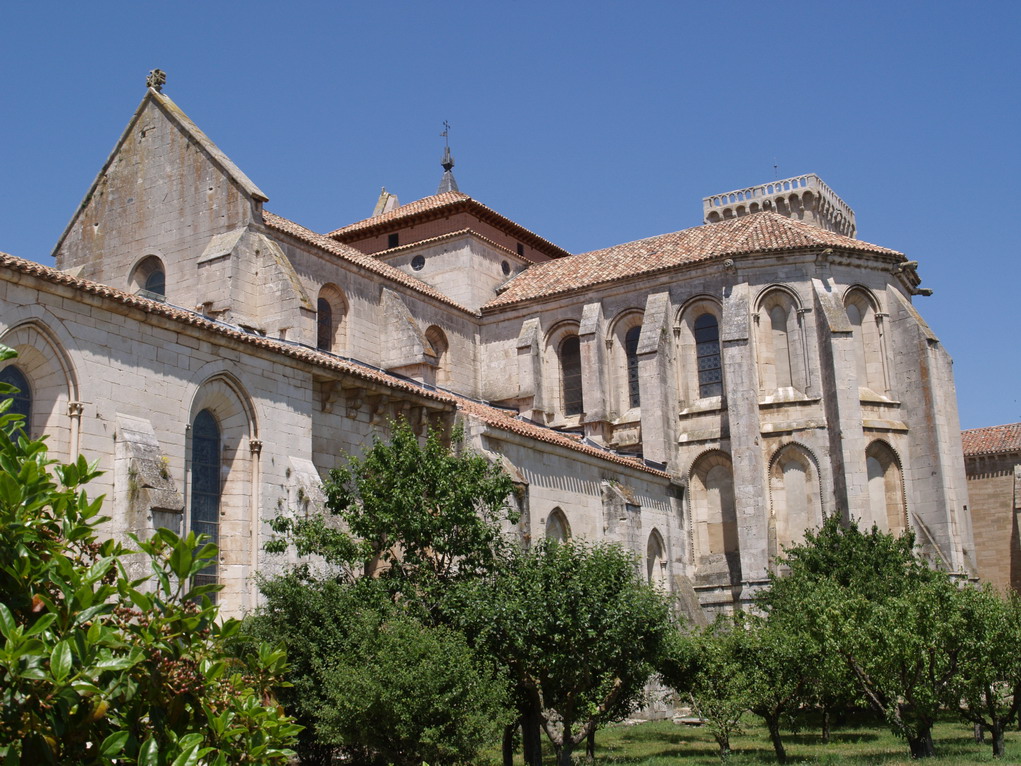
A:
(656, 561)
(780, 348)
(715, 540)
(557, 526)
(795, 501)
(440, 348)
(870, 357)
(886, 487)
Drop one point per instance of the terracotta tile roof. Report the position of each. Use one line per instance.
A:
(764, 232)
(347, 253)
(506, 421)
(992, 439)
(439, 205)
(492, 416)
(426, 204)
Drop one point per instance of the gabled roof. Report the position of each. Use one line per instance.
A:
(176, 115)
(765, 232)
(992, 440)
(496, 418)
(360, 259)
(440, 206)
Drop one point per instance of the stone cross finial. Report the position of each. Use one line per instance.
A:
(156, 80)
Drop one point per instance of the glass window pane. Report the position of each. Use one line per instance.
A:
(631, 352)
(22, 398)
(707, 352)
(570, 375)
(205, 485)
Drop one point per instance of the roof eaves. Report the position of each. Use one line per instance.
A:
(489, 414)
(357, 258)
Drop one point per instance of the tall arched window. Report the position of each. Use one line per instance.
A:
(324, 325)
(331, 308)
(570, 375)
(707, 353)
(631, 356)
(22, 404)
(205, 486)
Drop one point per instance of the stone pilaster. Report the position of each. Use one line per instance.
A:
(594, 372)
(530, 379)
(656, 383)
(842, 402)
(741, 394)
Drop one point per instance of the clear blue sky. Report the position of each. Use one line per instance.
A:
(591, 123)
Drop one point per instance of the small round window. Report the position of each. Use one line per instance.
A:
(506, 268)
(418, 262)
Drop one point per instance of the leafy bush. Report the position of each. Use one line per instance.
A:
(96, 667)
(373, 681)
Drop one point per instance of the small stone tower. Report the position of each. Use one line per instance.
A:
(806, 198)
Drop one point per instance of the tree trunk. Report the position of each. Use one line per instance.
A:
(566, 747)
(997, 734)
(773, 722)
(979, 733)
(826, 724)
(531, 737)
(921, 745)
(508, 744)
(723, 741)
(590, 745)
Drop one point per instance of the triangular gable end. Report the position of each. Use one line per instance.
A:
(141, 188)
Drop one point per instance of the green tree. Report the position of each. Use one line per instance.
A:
(778, 666)
(577, 631)
(867, 598)
(405, 522)
(414, 513)
(987, 691)
(706, 668)
(96, 667)
(372, 678)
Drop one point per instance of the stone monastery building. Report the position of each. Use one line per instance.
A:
(702, 396)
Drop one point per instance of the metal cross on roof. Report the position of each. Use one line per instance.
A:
(156, 80)
(445, 135)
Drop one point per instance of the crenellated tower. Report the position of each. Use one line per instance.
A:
(805, 198)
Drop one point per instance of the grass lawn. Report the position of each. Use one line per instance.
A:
(855, 744)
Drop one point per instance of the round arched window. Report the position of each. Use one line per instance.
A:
(418, 262)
